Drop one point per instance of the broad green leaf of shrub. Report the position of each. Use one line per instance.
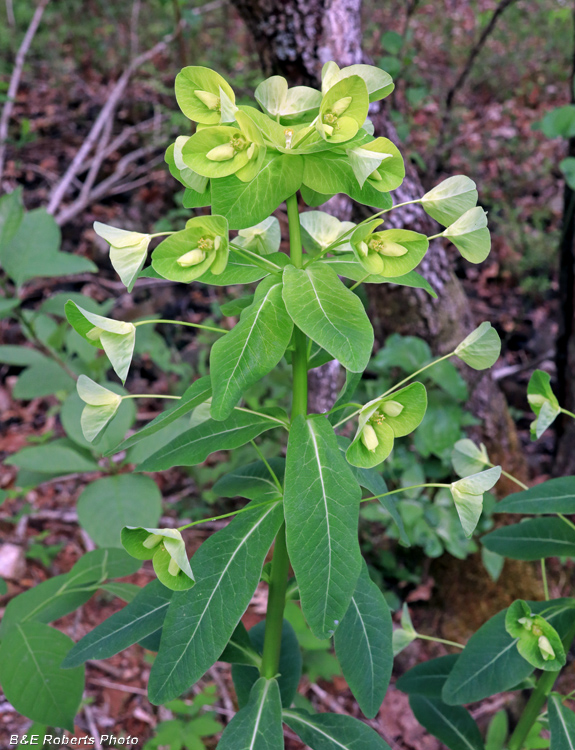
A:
(200, 621)
(115, 337)
(120, 500)
(32, 679)
(252, 481)
(554, 496)
(467, 495)
(59, 456)
(128, 251)
(470, 235)
(543, 402)
(321, 505)
(427, 678)
(450, 199)
(328, 313)
(559, 122)
(11, 215)
(363, 645)
(533, 539)
(567, 167)
(141, 617)
(481, 349)
(537, 640)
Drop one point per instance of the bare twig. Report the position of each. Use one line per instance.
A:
(106, 113)
(117, 686)
(16, 76)
(222, 689)
(90, 720)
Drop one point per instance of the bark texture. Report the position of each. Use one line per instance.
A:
(294, 38)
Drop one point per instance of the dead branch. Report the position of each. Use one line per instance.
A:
(16, 76)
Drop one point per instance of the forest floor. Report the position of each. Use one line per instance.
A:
(515, 289)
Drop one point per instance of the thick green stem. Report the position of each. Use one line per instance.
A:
(280, 562)
(537, 701)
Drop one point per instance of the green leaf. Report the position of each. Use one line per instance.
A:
(497, 731)
(33, 251)
(7, 305)
(562, 725)
(251, 349)
(204, 236)
(252, 481)
(378, 82)
(101, 405)
(11, 215)
(533, 539)
(32, 679)
(481, 349)
(200, 621)
(127, 592)
(333, 731)
(321, 306)
(107, 505)
(198, 393)
(41, 380)
(543, 402)
(330, 173)
(554, 496)
(321, 505)
(363, 645)
(490, 662)
(290, 665)
(427, 678)
(21, 356)
(57, 457)
(452, 725)
(467, 495)
(195, 445)
(263, 238)
(450, 199)
(195, 79)
(241, 270)
(128, 251)
(257, 726)
(247, 203)
(167, 550)
(141, 617)
(71, 418)
(567, 167)
(240, 651)
(559, 122)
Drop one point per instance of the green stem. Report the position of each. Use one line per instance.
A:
(227, 515)
(268, 467)
(439, 640)
(544, 577)
(518, 482)
(260, 414)
(150, 395)
(180, 323)
(403, 489)
(537, 701)
(569, 413)
(434, 236)
(357, 283)
(280, 562)
(257, 259)
(567, 521)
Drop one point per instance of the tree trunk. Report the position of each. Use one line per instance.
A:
(294, 38)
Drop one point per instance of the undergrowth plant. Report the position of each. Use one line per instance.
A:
(244, 162)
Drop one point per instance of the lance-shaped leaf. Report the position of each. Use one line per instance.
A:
(194, 445)
(561, 724)
(382, 420)
(252, 481)
(251, 349)
(275, 98)
(128, 251)
(427, 678)
(321, 504)
(467, 495)
(470, 235)
(199, 94)
(537, 640)
(379, 162)
(481, 349)
(258, 725)
(333, 731)
(533, 539)
(490, 662)
(452, 725)
(263, 238)
(379, 83)
(450, 199)
(200, 621)
(101, 405)
(554, 496)
(141, 617)
(320, 230)
(363, 645)
(115, 337)
(167, 551)
(328, 313)
(198, 393)
(405, 634)
(32, 679)
(543, 402)
(467, 458)
(201, 246)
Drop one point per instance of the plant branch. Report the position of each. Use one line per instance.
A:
(155, 321)
(15, 78)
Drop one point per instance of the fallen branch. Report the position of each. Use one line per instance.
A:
(15, 78)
